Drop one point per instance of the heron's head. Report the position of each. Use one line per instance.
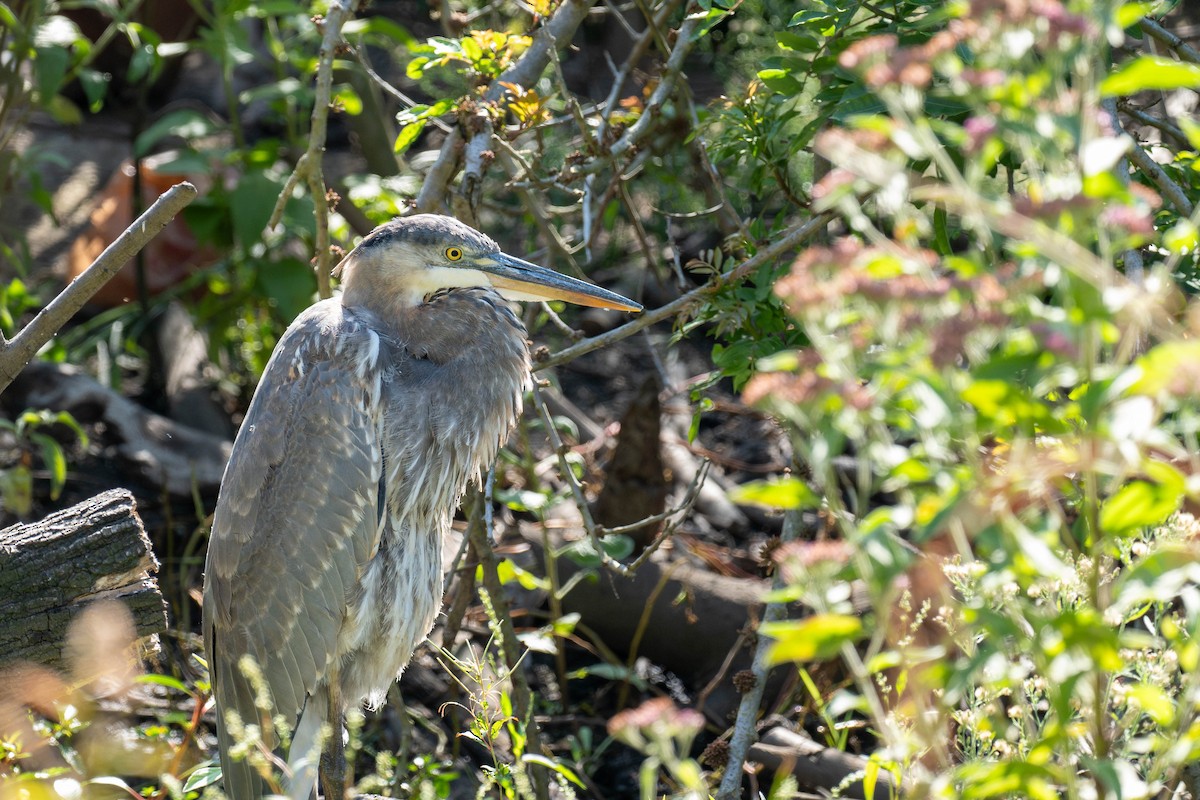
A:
(418, 255)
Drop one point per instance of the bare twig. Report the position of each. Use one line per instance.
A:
(15, 354)
(594, 531)
(1161, 34)
(1132, 257)
(684, 40)
(1154, 171)
(308, 168)
(433, 191)
(791, 238)
(1167, 128)
(744, 730)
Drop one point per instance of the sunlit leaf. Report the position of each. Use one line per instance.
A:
(348, 100)
(1154, 701)
(509, 572)
(408, 135)
(1150, 72)
(54, 460)
(817, 637)
(554, 765)
(1129, 13)
(785, 493)
(1161, 366)
(1142, 502)
(205, 774)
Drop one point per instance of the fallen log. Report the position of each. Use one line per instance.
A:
(159, 451)
(50, 570)
(702, 640)
(817, 767)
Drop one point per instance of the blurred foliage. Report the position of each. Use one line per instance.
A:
(997, 343)
(34, 432)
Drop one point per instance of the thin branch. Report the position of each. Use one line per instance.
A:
(14, 355)
(477, 156)
(360, 54)
(1161, 34)
(684, 40)
(594, 531)
(308, 168)
(788, 240)
(555, 33)
(1154, 171)
(437, 180)
(745, 730)
(1132, 258)
(1167, 128)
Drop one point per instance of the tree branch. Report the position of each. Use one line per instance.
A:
(1161, 34)
(791, 238)
(555, 33)
(14, 355)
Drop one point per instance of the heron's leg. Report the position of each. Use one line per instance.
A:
(333, 758)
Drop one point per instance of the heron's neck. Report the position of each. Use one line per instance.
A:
(390, 303)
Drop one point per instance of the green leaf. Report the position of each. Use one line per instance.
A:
(1181, 238)
(50, 68)
(187, 124)
(612, 672)
(1141, 503)
(814, 638)
(1191, 129)
(1161, 367)
(349, 100)
(16, 490)
(408, 135)
(1156, 578)
(95, 85)
(64, 111)
(54, 460)
(555, 766)
(416, 67)
(1129, 13)
(785, 493)
(289, 283)
(65, 418)
(509, 572)
(250, 205)
(166, 681)
(7, 18)
(1150, 72)
(1154, 701)
(203, 775)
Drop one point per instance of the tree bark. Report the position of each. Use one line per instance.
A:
(50, 570)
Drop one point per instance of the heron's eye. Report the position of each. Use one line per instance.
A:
(454, 253)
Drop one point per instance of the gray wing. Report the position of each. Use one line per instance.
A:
(297, 518)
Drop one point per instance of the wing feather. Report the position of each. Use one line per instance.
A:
(297, 518)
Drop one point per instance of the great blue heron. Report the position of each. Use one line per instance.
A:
(376, 408)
